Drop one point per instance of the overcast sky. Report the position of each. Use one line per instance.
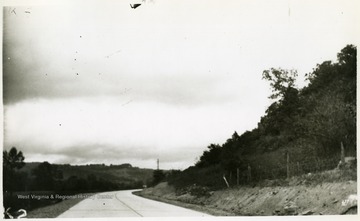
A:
(105, 83)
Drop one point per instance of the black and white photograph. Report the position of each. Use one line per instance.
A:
(180, 108)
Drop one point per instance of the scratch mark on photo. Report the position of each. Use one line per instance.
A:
(110, 55)
(127, 103)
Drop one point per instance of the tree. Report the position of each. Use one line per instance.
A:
(12, 161)
(93, 181)
(347, 57)
(329, 104)
(281, 115)
(71, 184)
(280, 81)
(347, 65)
(230, 154)
(46, 176)
(211, 156)
(158, 176)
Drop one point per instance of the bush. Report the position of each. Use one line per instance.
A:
(210, 177)
(198, 191)
(158, 176)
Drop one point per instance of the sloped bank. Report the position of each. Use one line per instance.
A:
(300, 199)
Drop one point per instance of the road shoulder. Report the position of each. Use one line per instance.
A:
(203, 209)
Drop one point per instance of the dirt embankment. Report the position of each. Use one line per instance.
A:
(320, 199)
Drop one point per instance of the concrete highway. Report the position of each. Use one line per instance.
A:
(125, 204)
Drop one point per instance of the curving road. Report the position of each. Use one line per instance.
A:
(125, 204)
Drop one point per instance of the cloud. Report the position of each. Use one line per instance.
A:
(56, 63)
(105, 129)
(177, 89)
(185, 58)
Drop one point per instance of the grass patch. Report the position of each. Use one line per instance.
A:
(199, 208)
(53, 211)
(312, 179)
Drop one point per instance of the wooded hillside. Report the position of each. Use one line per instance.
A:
(302, 130)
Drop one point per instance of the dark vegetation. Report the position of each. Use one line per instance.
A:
(301, 132)
(22, 178)
(158, 176)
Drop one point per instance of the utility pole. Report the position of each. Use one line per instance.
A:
(158, 164)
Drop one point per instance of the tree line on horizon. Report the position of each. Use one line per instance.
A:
(49, 178)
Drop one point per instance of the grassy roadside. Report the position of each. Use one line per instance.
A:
(313, 194)
(199, 208)
(53, 211)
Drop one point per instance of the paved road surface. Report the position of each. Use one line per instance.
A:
(125, 204)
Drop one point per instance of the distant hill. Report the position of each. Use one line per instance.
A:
(48, 179)
(121, 174)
